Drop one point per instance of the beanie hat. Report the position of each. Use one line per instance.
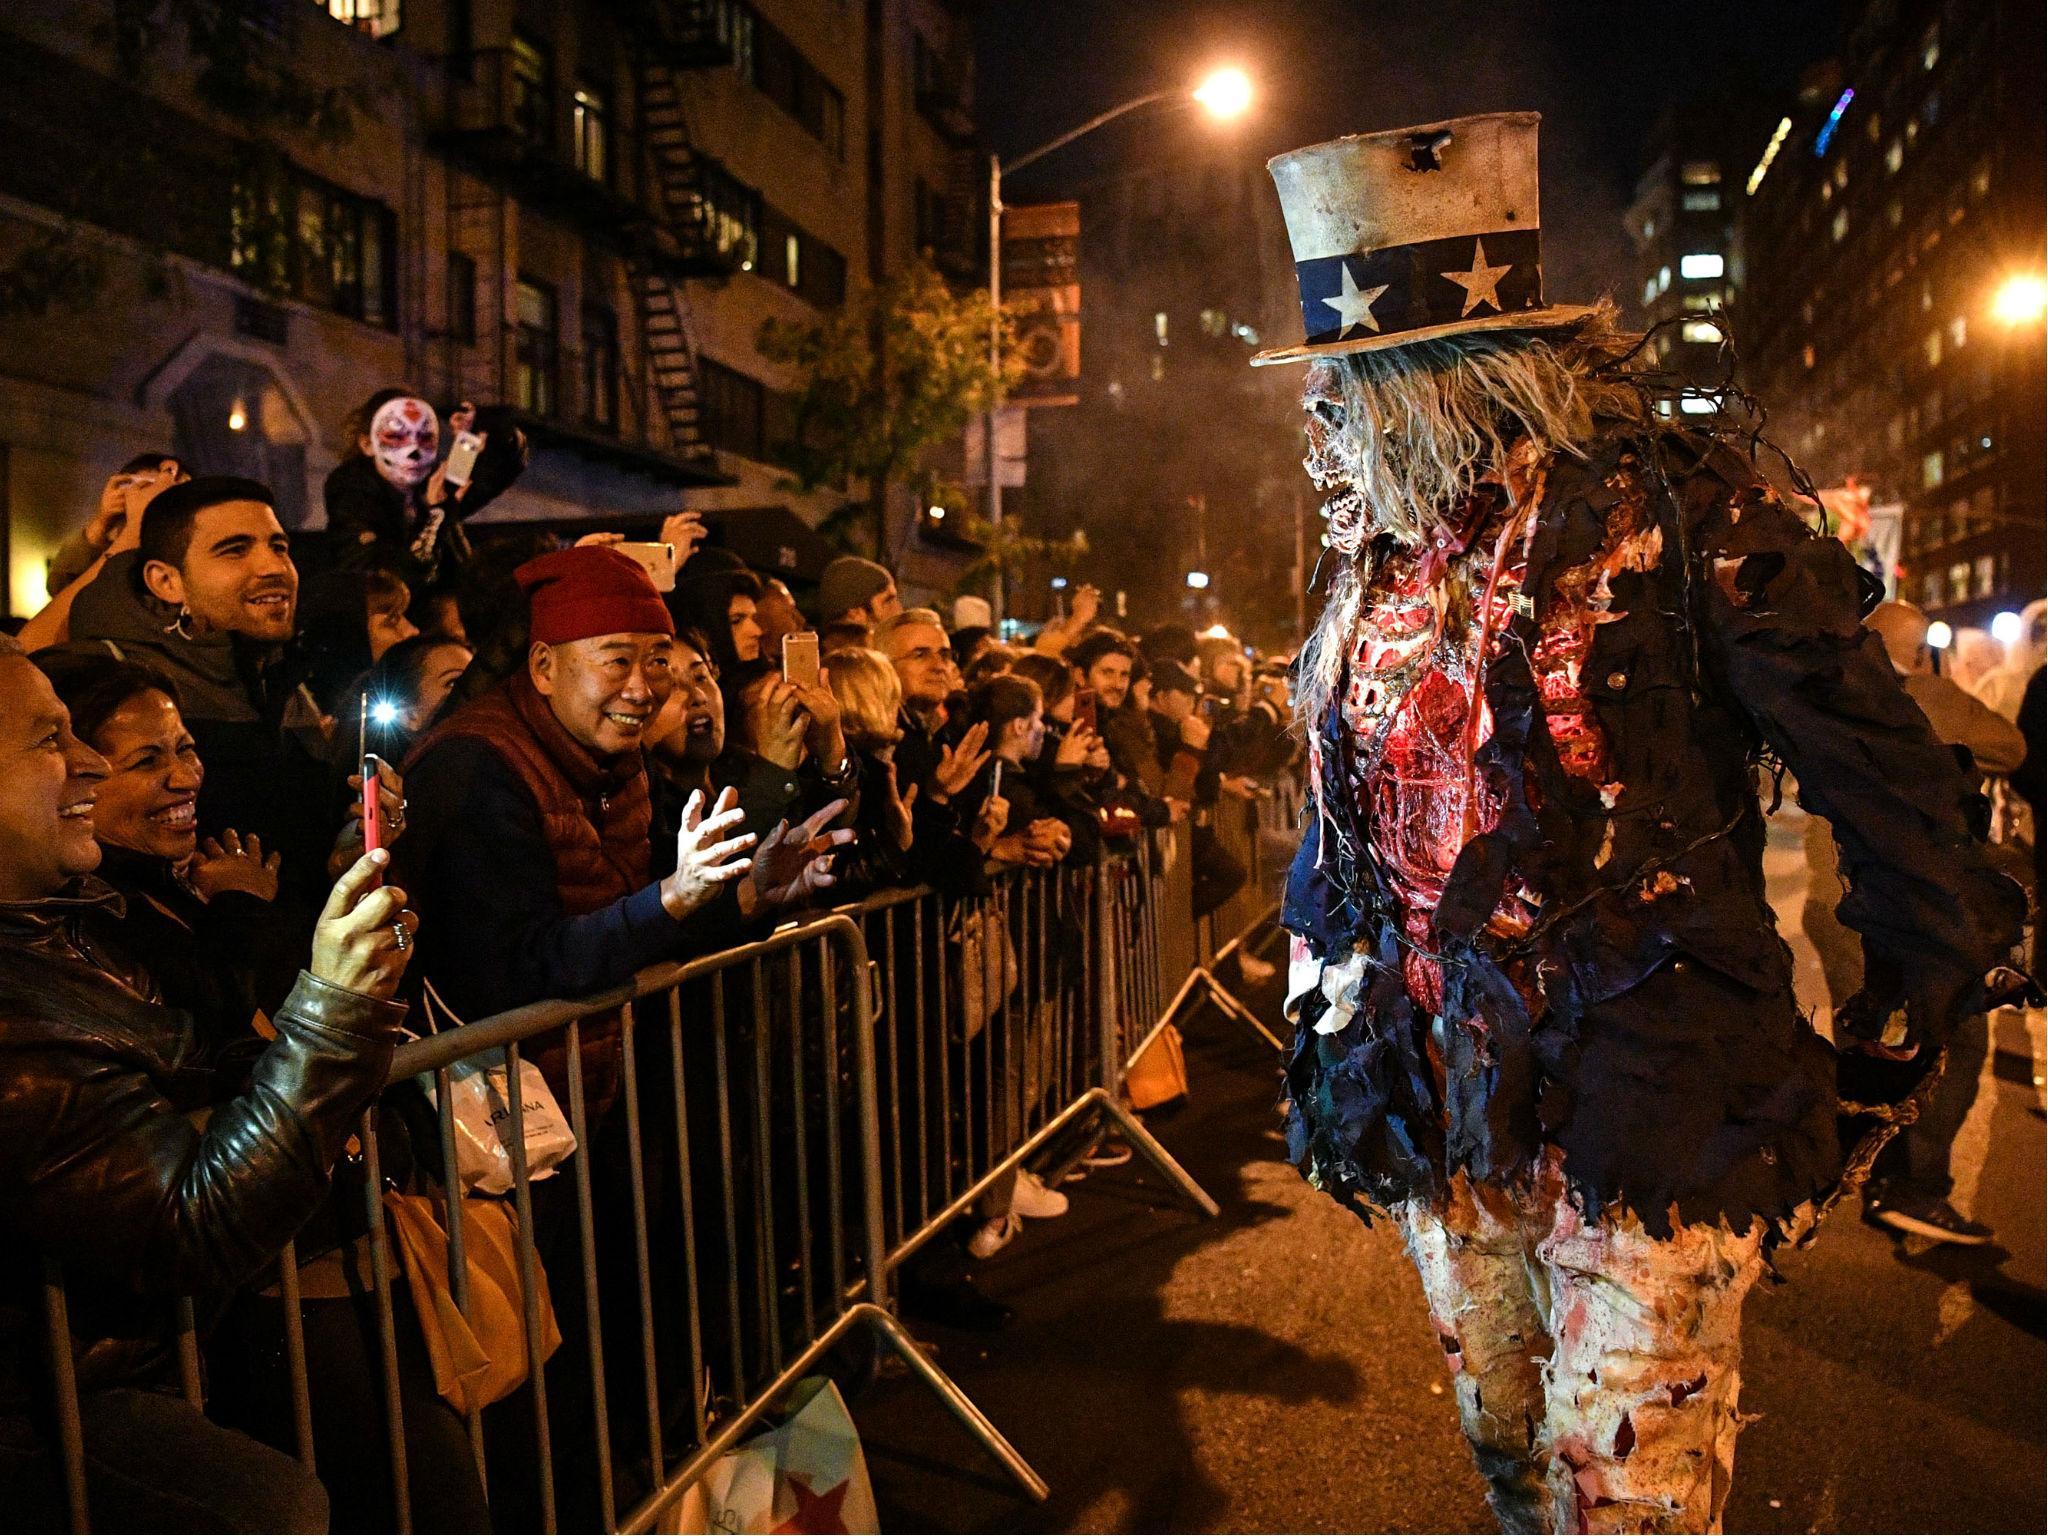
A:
(591, 590)
(849, 582)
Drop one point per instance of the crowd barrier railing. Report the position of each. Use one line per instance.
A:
(789, 1122)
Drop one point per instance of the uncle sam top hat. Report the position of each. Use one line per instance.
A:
(1416, 233)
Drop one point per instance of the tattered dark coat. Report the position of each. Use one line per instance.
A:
(1665, 1056)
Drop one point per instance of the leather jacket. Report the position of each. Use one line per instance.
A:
(114, 1164)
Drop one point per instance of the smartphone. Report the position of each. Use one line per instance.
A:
(800, 659)
(462, 458)
(1084, 710)
(995, 783)
(657, 560)
(373, 810)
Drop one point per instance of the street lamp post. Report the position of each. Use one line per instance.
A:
(1224, 94)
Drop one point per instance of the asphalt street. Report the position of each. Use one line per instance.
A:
(1272, 1369)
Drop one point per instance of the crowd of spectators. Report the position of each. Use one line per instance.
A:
(203, 972)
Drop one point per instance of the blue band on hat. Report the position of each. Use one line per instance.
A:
(1413, 290)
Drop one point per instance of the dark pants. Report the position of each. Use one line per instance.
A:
(154, 1463)
(1916, 1162)
(351, 1438)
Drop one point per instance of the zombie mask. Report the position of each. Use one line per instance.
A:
(405, 438)
(1328, 464)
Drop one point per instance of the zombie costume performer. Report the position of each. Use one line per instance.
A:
(1544, 1019)
(390, 507)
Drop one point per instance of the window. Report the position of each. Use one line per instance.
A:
(1894, 156)
(1930, 46)
(1696, 405)
(1649, 289)
(1931, 349)
(535, 346)
(775, 67)
(1894, 213)
(1701, 200)
(1985, 570)
(1663, 278)
(590, 129)
(533, 92)
(1930, 470)
(1698, 301)
(1959, 582)
(1839, 229)
(1700, 173)
(600, 367)
(1980, 179)
(1215, 323)
(730, 212)
(374, 18)
(731, 410)
(461, 298)
(1703, 331)
(1159, 326)
(1930, 589)
(1958, 332)
(801, 262)
(298, 235)
(1700, 265)
(1806, 356)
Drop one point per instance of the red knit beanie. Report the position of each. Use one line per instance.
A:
(590, 590)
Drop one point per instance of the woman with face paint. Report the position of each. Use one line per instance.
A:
(392, 503)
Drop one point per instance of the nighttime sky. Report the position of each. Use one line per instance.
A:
(1598, 71)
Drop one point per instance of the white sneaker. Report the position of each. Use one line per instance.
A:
(1034, 1199)
(987, 1242)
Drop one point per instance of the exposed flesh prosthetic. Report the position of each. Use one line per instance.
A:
(1597, 1369)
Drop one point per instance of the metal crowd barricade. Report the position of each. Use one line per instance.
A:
(794, 1119)
(1001, 1041)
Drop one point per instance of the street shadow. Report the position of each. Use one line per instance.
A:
(1094, 1382)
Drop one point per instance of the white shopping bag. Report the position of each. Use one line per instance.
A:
(480, 1103)
(805, 1475)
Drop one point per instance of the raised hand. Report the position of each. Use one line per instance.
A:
(795, 863)
(234, 863)
(959, 763)
(1078, 748)
(685, 530)
(990, 822)
(356, 943)
(705, 858)
(1087, 603)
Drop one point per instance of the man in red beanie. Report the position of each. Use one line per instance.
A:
(527, 837)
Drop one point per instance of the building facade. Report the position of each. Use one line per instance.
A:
(1890, 221)
(580, 209)
(1175, 442)
(1682, 224)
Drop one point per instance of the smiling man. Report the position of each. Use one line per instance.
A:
(210, 598)
(528, 833)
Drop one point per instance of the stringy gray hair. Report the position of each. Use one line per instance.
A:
(1419, 425)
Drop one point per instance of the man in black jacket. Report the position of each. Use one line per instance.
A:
(104, 1177)
(1544, 1018)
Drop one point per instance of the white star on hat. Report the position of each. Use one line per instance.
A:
(1481, 283)
(1354, 304)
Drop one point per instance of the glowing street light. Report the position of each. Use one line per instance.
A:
(2022, 299)
(1939, 636)
(1199, 580)
(2007, 627)
(1225, 93)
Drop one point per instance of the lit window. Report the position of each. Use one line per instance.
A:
(1894, 213)
(1958, 332)
(1980, 179)
(1987, 575)
(1806, 355)
(1926, 295)
(1930, 589)
(1932, 347)
(1696, 405)
(1158, 368)
(373, 18)
(1649, 289)
(590, 119)
(1663, 407)
(1930, 470)
(1930, 46)
(1698, 301)
(1700, 173)
(1959, 582)
(1159, 326)
(792, 259)
(1894, 156)
(1701, 331)
(1701, 264)
(1840, 227)
(1663, 278)
(1215, 322)
(1701, 200)
(1912, 130)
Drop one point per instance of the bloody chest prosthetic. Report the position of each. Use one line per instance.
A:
(1414, 705)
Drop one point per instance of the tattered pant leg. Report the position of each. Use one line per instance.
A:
(1487, 1304)
(1642, 1386)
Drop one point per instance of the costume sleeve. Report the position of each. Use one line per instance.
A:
(175, 1209)
(1782, 631)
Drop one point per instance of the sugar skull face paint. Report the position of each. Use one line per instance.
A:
(405, 438)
